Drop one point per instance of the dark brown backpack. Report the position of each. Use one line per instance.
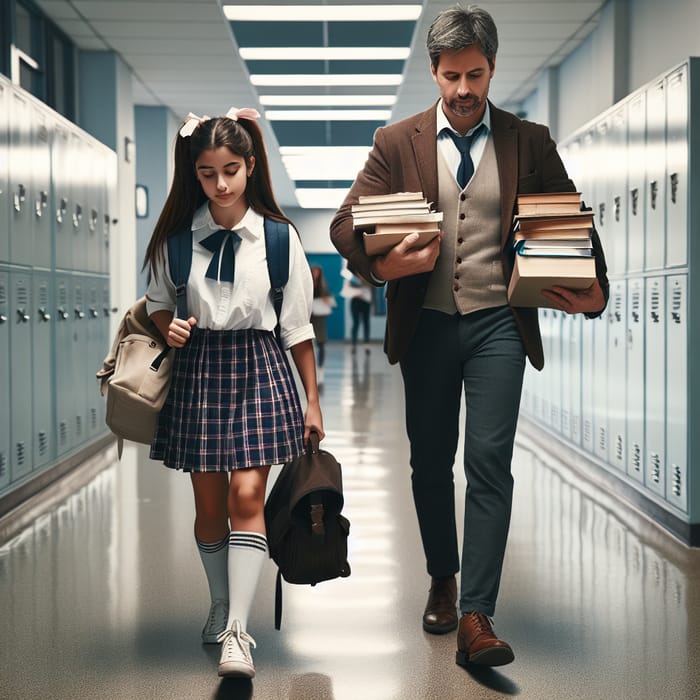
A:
(306, 534)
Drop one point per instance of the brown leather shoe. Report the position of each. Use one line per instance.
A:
(477, 643)
(440, 614)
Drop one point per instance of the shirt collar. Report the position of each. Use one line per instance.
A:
(250, 226)
(443, 123)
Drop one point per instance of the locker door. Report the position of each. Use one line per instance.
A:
(78, 205)
(42, 370)
(5, 437)
(111, 205)
(603, 192)
(655, 386)
(617, 389)
(546, 384)
(589, 368)
(677, 391)
(635, 378)
(21, 243)
(564, 376)
(79, 371)
(4, 182)
(600, 384)
(94, 354)
(590, 190)
(574, 340)
(105, 344)
(92, 205)
(41, 182)
(616, 201)
(62, 197)
(655, 157)
(637, 190)
(65, 386)
(21, 379)
(677, 168)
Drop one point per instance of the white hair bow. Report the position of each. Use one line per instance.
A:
(192, 121)
(245, 113)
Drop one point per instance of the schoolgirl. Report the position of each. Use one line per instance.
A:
(233, 409)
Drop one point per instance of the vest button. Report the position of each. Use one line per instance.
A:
(462, 216)
(459, 260)
(463, 196)
(460, 240)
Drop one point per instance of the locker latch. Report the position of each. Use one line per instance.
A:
(674, 186)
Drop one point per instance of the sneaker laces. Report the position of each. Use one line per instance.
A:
(484, 623)
(217, 614)
(238, 636)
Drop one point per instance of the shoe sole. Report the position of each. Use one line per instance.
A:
(496, 656)
(235, 671)
(440, 629)
(210, 640)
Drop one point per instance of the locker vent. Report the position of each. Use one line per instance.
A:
(62, 296)
(637, 457)
(3, 293)
(618, 308)
(655, 305)
(655, 471)
(565, 422)
(93, 418)
(43, 295)
(78, 425)
(587, 431)
(43, 442)
(635, 305)
(3, 464)
(62, 433)
(22, 295)
(21, 452)
(676, 302)
(602, 440)
(42, 133)
(78, 296)
(676, 481)
(619, 445)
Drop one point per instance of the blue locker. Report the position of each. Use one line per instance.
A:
(677, 391)
(40, 136)
(21, 374)
(20, 173)
(62, 195)
(92, 206)
(95, 353)
(655, 386)
(78, 370)
(42, 370)
(78, 206)
(677, 168)
(636, 185)
(65, 386)
(617, 375)
(5, 437)
(635, 378)
(4, 169)
(655, 158)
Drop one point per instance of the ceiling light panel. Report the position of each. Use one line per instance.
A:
(327, 100)
(325, 53)
(323, 13)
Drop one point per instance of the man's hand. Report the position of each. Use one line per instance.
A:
(589, 300)
(405, 259)
(179, 331)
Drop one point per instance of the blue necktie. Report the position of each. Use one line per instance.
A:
(463, 143)
(226, 258)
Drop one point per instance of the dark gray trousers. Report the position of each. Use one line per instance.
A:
(483, 353)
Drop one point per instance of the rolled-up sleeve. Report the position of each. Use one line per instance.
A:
(295, 317)
(160, 295)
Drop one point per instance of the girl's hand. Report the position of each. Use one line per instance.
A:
(179, 331)
(313, 420)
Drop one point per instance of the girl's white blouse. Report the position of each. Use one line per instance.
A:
(246, 303)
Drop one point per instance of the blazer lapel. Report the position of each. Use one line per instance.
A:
(505, 142)
(425, 150)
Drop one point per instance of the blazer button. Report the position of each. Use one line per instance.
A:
(456, 288)
(459, 260)
(460, 240)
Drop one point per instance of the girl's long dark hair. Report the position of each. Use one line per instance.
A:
(242, 137)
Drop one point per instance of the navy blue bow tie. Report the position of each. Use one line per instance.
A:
(463, 143)
(223, 263)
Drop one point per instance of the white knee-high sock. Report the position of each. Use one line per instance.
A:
(215, 560)
(247, 552)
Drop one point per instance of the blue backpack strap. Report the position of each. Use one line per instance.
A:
(180, 261)
(277, 252)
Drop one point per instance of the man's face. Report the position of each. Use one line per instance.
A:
(463, 78)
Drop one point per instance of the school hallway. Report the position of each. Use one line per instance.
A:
(103, 593)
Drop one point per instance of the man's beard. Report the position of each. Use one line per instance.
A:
(465, 107)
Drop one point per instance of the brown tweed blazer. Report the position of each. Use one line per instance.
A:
(404, 159)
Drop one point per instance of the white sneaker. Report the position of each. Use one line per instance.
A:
(216, 622)
(235, 653)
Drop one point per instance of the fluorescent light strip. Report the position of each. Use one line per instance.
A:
(323, 162)
(320, 79)
(327, 100)
(325, 53)
(322, 13)
(326, 115)
(321, 198)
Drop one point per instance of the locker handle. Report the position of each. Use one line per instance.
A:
(93, 312)
(44, 314)
(77, 216)
(22, 316)
(634, 193)
(40, 204)
(3, 318)
(617, 208)
(93, 220)
(62, 314)
(19, 197)
(653, 192)
(601, 213)
(61, 211)
(674, 186)
(79, 314)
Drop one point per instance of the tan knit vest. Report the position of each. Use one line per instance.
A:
(468, 275)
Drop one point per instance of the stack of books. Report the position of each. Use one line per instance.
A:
(552, 239)
(387, 219)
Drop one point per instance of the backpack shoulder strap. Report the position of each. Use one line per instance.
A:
(180, 261)
(277, 253)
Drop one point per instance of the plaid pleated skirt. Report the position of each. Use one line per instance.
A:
(232, 404)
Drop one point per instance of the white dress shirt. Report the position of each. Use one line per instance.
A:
(219, 305)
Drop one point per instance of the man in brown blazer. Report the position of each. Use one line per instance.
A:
(449, 324)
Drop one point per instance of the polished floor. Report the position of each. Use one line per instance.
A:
(103, 596)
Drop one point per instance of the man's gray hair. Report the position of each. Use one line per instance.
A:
(455, 29)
